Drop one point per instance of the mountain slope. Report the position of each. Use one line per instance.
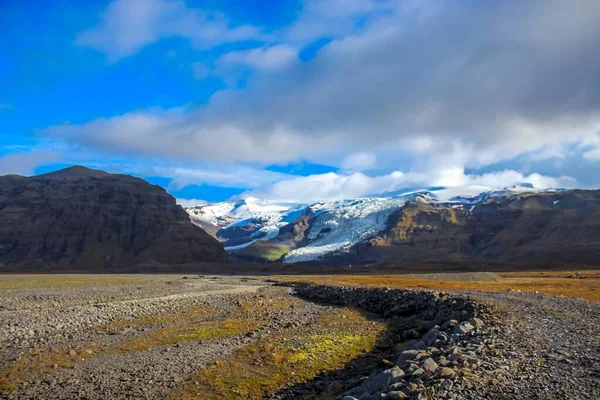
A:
(442, 224)
(82, 218)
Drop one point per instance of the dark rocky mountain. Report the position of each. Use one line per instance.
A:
(547, 227)
(79, 218)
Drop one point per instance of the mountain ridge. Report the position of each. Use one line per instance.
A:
(80, 218)
(357, 230)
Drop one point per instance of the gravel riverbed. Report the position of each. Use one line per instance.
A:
(470, 345)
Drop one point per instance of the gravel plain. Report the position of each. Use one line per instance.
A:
(126, 337)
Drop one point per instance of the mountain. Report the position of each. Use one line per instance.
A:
(513, 224)
(80, 218)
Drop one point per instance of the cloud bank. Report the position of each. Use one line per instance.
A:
(441, 86)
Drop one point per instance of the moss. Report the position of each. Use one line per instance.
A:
(292, 357)
(40, 363)
(220, 329)
(41, 281)
(263, 250)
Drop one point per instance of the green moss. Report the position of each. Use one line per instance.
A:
(282, 360)
(264, 251)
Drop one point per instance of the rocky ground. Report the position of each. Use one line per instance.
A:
(146, 337)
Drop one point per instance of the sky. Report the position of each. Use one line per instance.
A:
(304, 100)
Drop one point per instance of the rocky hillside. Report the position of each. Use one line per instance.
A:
(80, 218)
(530, 227)
(511, 225)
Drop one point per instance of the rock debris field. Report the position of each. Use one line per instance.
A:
(180, 337)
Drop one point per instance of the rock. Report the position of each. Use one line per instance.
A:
(449, 324)
(431, 336)
(418, 372)
(477, 323)
(349, 398)
(463, 328)
(407, 355)
(396, 395)
(447, 372)
(72, 353)
(429, 365)
(384, 379)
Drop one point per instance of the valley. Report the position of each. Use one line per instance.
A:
(218, 337)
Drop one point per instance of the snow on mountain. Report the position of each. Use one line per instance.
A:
(268, 215)
(335, 225)
(339, 225)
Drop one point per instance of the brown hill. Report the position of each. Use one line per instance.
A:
(531, 227)
(79, 218)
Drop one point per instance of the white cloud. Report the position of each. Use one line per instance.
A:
(200, 70)
(359, 162)
(127, 26)
(190, 202)
(499, 93)
(592, 146)
(269, 58)
(178, 133)
(218, 175)
(25, 163)
(439, 87)
(333, 186)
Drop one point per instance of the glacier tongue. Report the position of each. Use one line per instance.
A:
(340, 225)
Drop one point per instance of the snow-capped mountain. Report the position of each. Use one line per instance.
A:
(253, 226)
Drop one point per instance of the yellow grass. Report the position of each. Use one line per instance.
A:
(61, 280)
(281, 360)
(40, 363)
(556, 283)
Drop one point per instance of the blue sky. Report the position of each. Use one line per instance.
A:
(303, 100)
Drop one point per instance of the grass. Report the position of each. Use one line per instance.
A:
(182, 325)
(266, 251)
(8, 282)
(554, 283)
(285, 359)
(40, 363)
(187, 332)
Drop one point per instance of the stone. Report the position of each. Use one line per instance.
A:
(396, 395)
(384, 379)
(431, 336)
(72, 353)
(429, 365)
(447, 372)
(463, 328)
(449, 324)
(406, 356)
(477, 323)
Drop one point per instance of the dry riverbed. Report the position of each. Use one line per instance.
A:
(193, 337)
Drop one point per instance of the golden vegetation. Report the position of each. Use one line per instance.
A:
(40, 363)
(187, 332)
(566, 283)
(285, 359)
(183, 325)
(61, 280)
